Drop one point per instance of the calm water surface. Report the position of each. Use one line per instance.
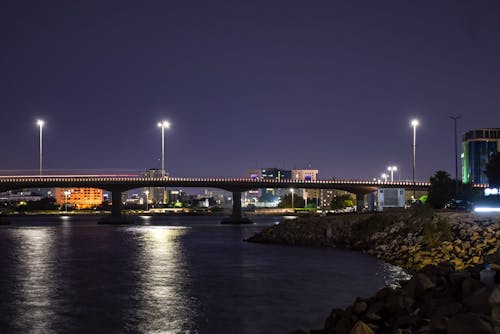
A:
(171, 275)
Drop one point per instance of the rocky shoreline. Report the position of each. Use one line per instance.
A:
(445, 252)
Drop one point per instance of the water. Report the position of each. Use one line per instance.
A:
(171, 275)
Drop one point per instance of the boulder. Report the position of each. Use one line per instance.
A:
(333, 318)
(359, 307)
(361, 328)
(470, 286)
(468, 323)
(418, 284)
(478, 302)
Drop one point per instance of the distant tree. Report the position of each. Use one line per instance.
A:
(298, 201)
(46, 203)
(467, 192)
(268, 197)
(492, 170)
(341, 202)
(441, 189)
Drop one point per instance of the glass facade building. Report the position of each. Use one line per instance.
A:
(479, 145)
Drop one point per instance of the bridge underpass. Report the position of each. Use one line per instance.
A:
(117, 185)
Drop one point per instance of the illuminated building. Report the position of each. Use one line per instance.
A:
(155, 194)
(274, 174)
(79, 198)
(478, 147)
(307, 175)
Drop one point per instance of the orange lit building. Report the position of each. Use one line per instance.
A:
(79, 198)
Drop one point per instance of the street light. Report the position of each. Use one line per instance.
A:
(385, 176)
(454, 118)
(40, 124)
(147, 199)
(291, 190)
(392, 169)
(414, 124)
(163, 125)
(66, 195)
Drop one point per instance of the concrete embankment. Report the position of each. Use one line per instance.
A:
(446, 253)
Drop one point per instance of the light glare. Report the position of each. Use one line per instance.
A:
(486, 209)
(164, 124)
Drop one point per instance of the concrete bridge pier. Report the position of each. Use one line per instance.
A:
(236, 216)
(116, 216)
(360, 202)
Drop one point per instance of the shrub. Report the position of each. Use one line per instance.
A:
(436, 231)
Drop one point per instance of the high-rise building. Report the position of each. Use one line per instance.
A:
(154, 195)
(274, 174)
(80, 198)
(479, 145)
(307, 175)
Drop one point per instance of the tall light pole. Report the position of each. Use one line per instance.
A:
(291, 190)
(414, 124)
(163, 125)
(392, 169)
(454, 118)
(67, 193)
(385, 176)
(147, 199)
(40, 124)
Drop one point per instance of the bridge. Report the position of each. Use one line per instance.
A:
(117, 184)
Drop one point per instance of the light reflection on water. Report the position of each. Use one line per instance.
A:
(36, 304)
(195, 277)
(162, 299)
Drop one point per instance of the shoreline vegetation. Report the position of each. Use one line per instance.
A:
(445, 252)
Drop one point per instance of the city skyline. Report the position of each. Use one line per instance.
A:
(331, 86)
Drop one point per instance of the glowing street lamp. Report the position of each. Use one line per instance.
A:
(385, 176)
(292, 190)
(392, 169)
(163, 125)
(414, 124)
(67, 193)
(40, 124)
(147, 199)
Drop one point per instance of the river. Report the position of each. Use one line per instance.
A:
(171, 274)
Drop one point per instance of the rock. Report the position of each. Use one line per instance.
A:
(468, 323)
(359, 307)
(406, 320)
(418, 284)
(447, 310)
(343, 326)
(438, 324)
(361, 328)
(470, 286)
(457, 278)
(333, 318)
(494, 298)
(478, 301)
(372, 316)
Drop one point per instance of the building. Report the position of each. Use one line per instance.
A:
(269, 194)
(155, 195)
(79, 198)
(478, 147)
(252, 196)
(18, 196)
(307, 175)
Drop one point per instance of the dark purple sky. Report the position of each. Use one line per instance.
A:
(330, 84)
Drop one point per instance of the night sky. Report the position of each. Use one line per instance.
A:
(330, 85)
